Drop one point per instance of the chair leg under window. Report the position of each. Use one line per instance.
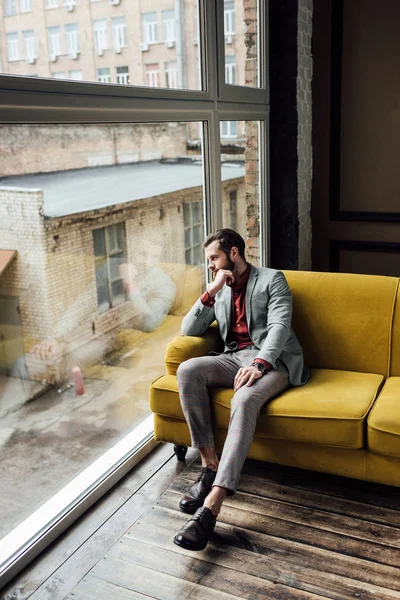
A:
(180, 452)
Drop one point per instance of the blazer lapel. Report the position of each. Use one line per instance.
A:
(249, 291)
(227, 299)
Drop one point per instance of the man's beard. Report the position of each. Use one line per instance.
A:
(229, 265)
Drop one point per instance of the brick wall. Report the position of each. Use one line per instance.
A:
(47, 148)
(304, 143)
(22, 229)
(54, 272)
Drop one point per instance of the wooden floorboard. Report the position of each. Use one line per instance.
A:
(286, 534)
(63, 564)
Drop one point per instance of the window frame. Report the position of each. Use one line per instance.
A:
(193, 246)
(109, 255)
(26, 100)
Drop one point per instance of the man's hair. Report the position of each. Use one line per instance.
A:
(227, 238)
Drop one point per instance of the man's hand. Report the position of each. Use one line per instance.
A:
(246, 376)
(223, 277)
(128, 272)
(49, 349)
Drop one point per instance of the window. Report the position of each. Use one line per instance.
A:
(72, 39)
(75, 75)
(149, 175)
(232, 209)
(171, 74)
(104, 75)
(29, 44)
(228, 129)
(25, 6)
(13, 46)
(150, 32)
(54, 34)
(194, 232)
(168, 25)
(100, 35)
(153, 75)
(52, 3)
(119, 33)
(109, 254)
(229, 18)
(123, 75)
(10, 7)
(230, 69)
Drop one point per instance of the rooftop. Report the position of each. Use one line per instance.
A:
(80, 190)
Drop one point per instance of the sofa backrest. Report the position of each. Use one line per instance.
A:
(395, 354)
(344, 321)
(190, 284)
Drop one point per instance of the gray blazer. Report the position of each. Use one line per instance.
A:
(269, 316)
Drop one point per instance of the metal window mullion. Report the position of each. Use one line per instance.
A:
(263, 158)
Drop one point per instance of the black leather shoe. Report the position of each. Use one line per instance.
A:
(195, 534)
(196, 494)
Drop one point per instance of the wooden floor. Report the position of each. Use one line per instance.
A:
(286, 534)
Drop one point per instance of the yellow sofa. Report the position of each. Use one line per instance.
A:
(346, 419)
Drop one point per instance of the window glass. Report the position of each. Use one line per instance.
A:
(65, 36)
(241, 42)
(240, 185)
(25, 5)
(108, 225)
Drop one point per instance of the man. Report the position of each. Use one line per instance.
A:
(262, 357)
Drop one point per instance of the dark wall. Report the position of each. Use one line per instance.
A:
(283, 133)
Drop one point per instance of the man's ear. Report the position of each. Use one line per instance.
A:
(234, 253)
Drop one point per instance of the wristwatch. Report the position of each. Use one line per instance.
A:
(261, 367)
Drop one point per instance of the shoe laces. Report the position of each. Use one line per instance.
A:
(203, 471)
(202, 512)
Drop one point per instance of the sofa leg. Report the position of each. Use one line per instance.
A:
(180, 452)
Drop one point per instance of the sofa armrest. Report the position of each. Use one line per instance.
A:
(183, 347)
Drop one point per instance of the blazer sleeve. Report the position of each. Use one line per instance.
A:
(198, 319)
(279, 319)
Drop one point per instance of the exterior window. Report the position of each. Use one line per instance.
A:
(232, 209)
(72, 38)
(123, 75)
(29, 44)
(193, 223)
(229, 18)
(59, 75)
(13, 46)
(228, 129)
(153, 75)
(104, 75)
(119, 32)
(25, 6)
(75, 75)
(171, 74)
(52, 3)
(168, 25)
(100, 35)
(230, 69)
(109, 254)
(150, 31)
(54, 40)
(10, 7)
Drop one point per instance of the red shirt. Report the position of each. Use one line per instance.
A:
(239, 331)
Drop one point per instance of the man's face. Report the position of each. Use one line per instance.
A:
(217, 258)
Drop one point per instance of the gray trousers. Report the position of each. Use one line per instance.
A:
(197, 375)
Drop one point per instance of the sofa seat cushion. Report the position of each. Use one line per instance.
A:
(383, 432)
(330, 410)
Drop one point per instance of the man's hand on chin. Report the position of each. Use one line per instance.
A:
(223, 276)
(246, 376)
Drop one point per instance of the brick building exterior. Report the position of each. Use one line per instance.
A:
(54, 274)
